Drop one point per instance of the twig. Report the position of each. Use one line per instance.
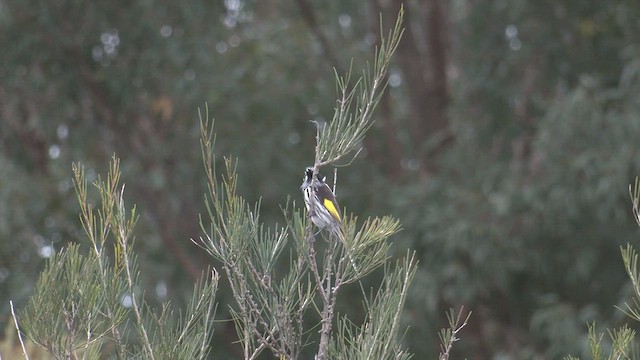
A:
(448, 336)
(98, 235)
(15, 321)
(123, 235)
(329, 301)
(635, 198)
(406, 281)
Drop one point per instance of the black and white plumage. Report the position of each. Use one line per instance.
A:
(325, 211)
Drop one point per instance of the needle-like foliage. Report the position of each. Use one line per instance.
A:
(379, 337)
(449, 335)
(356, 102)
(270, 307)
(620, 343)
(82, 300)
(276, 310)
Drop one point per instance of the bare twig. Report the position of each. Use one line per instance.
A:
(15, 322)
(335, 181)
(635, 199)
(329, 300)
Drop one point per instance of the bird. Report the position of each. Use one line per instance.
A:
(323, 207)
(325, 211)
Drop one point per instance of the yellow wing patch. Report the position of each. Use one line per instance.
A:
(332, 209)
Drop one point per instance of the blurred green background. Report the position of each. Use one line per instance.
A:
(505, 144)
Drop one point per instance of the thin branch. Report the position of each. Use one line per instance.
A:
(90, 225)
(449, 336)
(123, 234)
(15, 322)
(409, 272)
(352, 117)
(329, 299)
(634, 193)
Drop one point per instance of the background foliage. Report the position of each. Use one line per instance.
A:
(505, 145)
